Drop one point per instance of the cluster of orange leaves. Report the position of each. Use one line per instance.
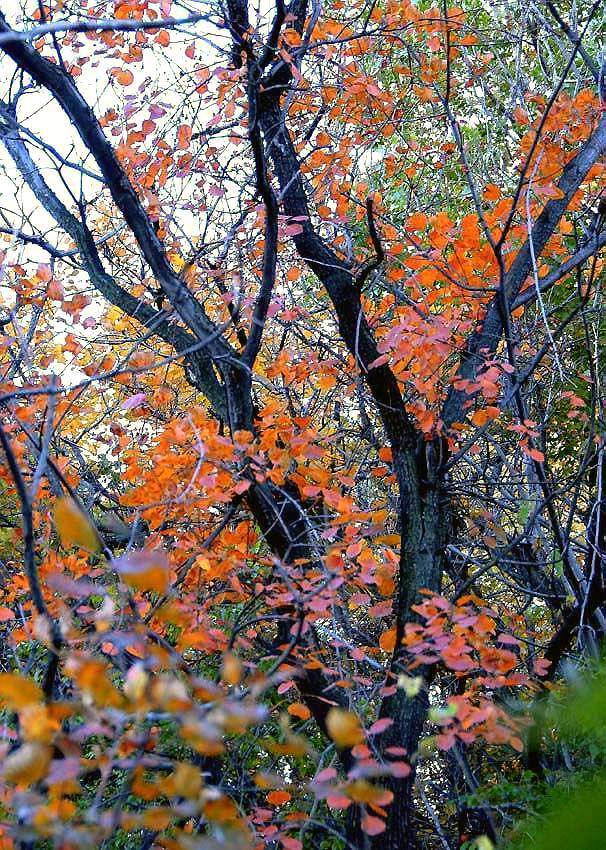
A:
(466, 639)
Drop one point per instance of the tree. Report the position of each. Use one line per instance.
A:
(302, 414)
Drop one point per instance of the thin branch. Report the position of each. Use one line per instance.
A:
(373, 264)
(97, 25)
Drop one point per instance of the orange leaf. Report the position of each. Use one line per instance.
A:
(221, 810)
(492, 192)
(16, 691)
(297, 709)
(387, 641)
(123, 76)
(38, 724)
(418, 221)
(484, 415)
(277, 798)
(54, 290)
(144, 570)
(157, 818)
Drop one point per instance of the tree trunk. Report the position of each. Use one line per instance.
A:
(422, 563)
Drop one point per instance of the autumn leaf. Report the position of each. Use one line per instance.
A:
(6, 614)
(134, 401)
(379, 726)
(73, 526)
(123, 76)
(272, 353)
(38, 723)
(231, 669)
(186, 781)
(184, 134)
(417, 222)
(492, 192)
(541, 666)
(144, 570)
(387, 641)
(362, 791)
(298, 709)
(373, 825)
(411, 685)
(28, 764)
(17, 691)
(344, 728)
(221, 810)
(55, 291)
(278, 798)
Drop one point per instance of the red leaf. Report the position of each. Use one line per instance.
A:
(380, 726)
(133, 401)
(326, 775)
(400, 769)
(541, 666)
(291, 843)
(6, 614)
(184, 134)
(372, 825)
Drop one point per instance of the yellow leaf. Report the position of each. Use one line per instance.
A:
(362, 791)
(74, 526)
(28, 764)
(17, 692)
(186, 781)
(344, 727)
(411, 685)
(137, 680)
